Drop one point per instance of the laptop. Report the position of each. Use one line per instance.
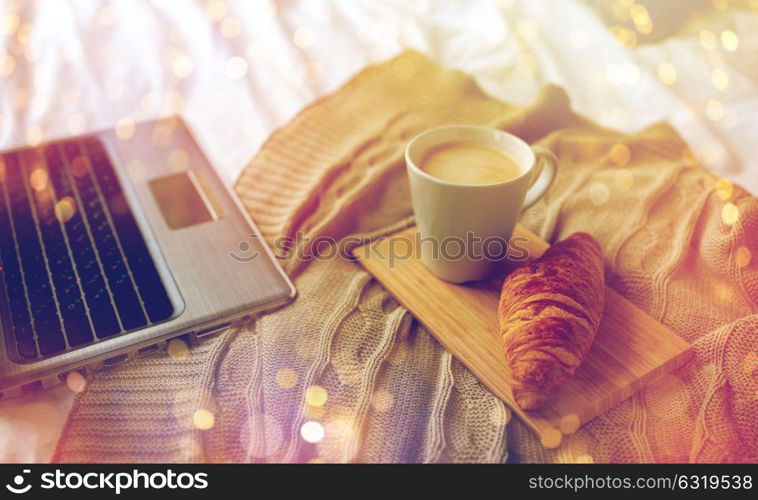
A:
(113, 244)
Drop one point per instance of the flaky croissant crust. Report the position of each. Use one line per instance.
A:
(550, 311)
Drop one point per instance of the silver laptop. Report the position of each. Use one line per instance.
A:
(114, 243)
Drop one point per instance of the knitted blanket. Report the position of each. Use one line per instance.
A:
(345, 373)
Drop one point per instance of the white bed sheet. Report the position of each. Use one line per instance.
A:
(236, 70)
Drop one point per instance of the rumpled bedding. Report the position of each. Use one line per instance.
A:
(236, 70)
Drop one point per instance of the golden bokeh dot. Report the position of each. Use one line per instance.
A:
(182, 66)
(551, 438)
(720, 79)
(230, 27)
(3, 170)
(620, 154)
(316, 395)
(624, 180)
(136, 169)
(33, 135)
(9, 23)
(178, 159)
(724, 189)
(286, 378)
(382, 401)
(599, 193)
(39, 179)
(667, 73)
(584, 459)
(203, 419)
(25, 30)
(304, 38)
(742, 257)
(627, 37)
(65, 209)
(216, 9)
(76, 123)
(730, 214)
(714, 109)
(707, 39)
(75, 381)
(177, 349)
(729, 40)
(569, 423)
(174, 99)
(125, 129)
(236, 67)
(313, 432)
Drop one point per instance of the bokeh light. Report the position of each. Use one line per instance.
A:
(720, 79)
(316, 395)
(382, 401)
(729, 40)
(724, 189)
(203, 419)
(182, 66)
(570, 423)
(65, 209)
(286, 378)
(178, 159)
(742, 257)
(620, 154)
(34, 135)
(551, 438)
(39, 179)
(730, 214)
(312, 432)
(236, 67)
(599, 193)
(76, 382)
(667, 73)
(125, 129)
(177, 349)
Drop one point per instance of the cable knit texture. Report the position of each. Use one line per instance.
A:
(676, 241)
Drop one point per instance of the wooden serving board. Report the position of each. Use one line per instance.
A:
(631, 348)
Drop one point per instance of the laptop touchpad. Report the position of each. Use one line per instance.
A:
(185, 199)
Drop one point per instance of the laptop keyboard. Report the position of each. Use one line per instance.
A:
(75, 263)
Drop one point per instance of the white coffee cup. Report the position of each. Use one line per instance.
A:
(452, 216)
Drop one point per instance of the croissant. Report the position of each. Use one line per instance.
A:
(550, 311)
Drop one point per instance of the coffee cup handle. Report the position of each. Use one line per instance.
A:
(545, 170)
